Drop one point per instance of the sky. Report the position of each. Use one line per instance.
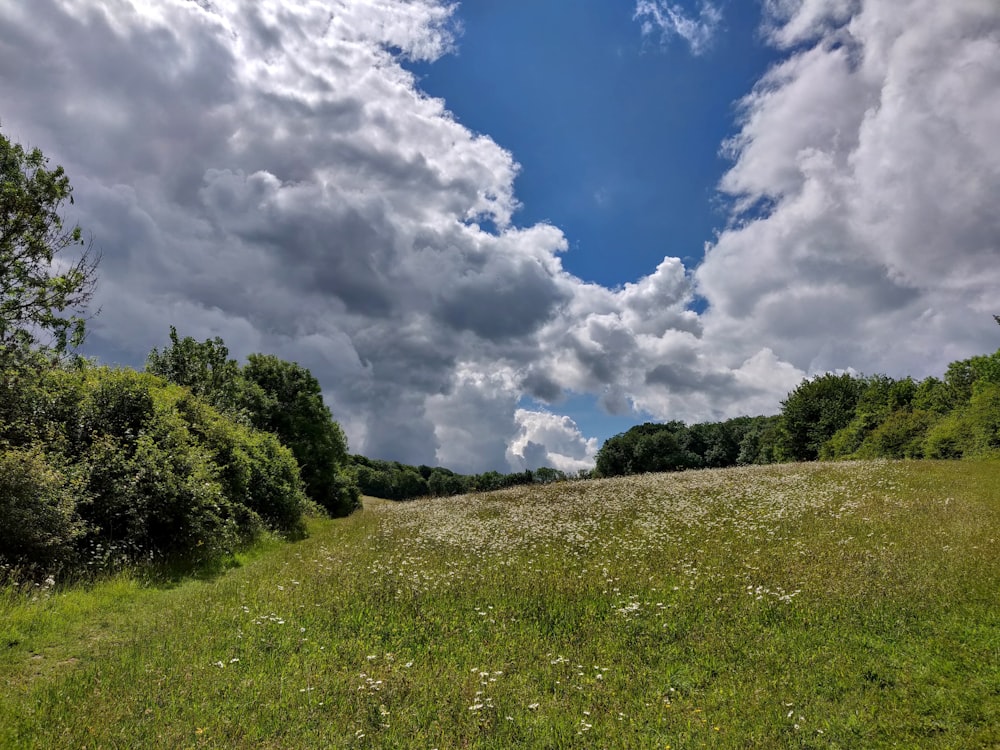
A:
(499, 232)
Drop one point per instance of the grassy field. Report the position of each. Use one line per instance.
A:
(803, 606)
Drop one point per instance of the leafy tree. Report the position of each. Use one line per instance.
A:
(649, 447)
(408, 484)
(932, 395)
(374, 482)
(488, 481)
(764, 442)
(547, 475)
(41, 302)
(901, 435)
(816, 409)
(272, 395)
(443, 483)
(881, 398)
(203, 367)
(288, 401)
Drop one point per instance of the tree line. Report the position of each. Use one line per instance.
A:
(829, 417)
(393, 480)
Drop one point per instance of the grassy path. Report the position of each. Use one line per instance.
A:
(805, 606)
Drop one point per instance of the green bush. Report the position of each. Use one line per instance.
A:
(901, 435)
(156, 471)
(949, 437)
(254, 467)
(39, 526)
(982, 417)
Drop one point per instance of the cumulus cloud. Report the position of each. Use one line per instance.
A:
(865, 180)
(671, 20)
(546, 439)
(270, 173)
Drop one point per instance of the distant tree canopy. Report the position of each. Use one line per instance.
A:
(833, 417)
(673, 446)
(816, 409)
(273, 395)
(392, 480)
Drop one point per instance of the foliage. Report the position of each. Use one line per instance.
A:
(142, 467)
(288, 402)
(881, 398)
(672, 446)
(203, 367)
(392, 480)
(971, 431)
(273, 395)
(816, 410)
(39, 525)
(764, 442)
(833, 417)
(900, 435)
(38, 297)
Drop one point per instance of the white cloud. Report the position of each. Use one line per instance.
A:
(873, 144)
(670, 19)
(791, 22)
(546, 439)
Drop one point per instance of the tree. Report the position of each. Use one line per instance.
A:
(816, 410)
(205, 368)
(647, 447)
(41, 300)
(289, 403)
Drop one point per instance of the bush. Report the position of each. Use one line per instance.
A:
(816, 410)
(948, 438)
(284, 398)
(145, 469)
(254, 467)
(982, 417)
(39, 527)
(901, 435)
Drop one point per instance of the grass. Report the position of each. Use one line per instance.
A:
(801, 606)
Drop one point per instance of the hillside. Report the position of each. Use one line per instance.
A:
(799, 605)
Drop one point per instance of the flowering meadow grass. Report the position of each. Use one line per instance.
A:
(850, 605)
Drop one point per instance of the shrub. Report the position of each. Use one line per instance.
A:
(39, 526)
(155, 470)
(947, 438)
(254, 468)
(901, 435)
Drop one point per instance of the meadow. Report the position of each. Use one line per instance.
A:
(821, 605)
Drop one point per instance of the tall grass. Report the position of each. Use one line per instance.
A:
(807, 606)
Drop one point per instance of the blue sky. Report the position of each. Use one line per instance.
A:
(617, 134)
(500, 232)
